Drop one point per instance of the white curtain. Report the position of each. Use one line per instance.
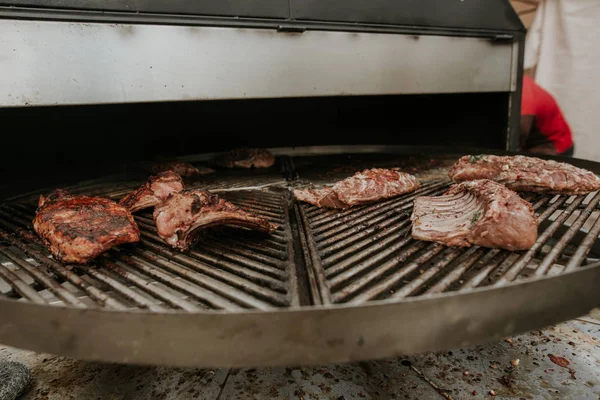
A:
(563, 44)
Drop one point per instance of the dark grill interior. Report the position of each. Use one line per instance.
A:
(317, 256)
(89, 141)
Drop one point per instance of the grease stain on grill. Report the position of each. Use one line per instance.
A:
(335, 342)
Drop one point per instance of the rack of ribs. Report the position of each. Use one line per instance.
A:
(76, 229)
(363, 187)
(182, 216)
(480, 212)
(526, 174)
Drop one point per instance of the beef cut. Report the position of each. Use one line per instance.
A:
(363, 187)
(76, 229)
(181, 168)
(181, 217)
(527, 174)
(246, 158)
(480, 212)
(154, 191)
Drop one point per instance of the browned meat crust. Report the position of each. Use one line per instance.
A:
(76, 229)
(363, 187)
(246, 158)
(181, 168)
(52, 196)
(155, 190)
(324, 197)
(523, 173)
(180, 218)
(479, 212)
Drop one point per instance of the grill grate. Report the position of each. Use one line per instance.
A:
(317, 256)
(228, 270)
(366, 253)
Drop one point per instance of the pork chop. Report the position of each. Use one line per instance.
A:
(527, 174)
(183, 215)
(480, 212)
(76, 229)
(155, 190)
(363, 187)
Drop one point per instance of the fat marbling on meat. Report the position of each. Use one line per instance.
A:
(522, 173)
(154, 191)
(76, 229)
(480, 212)
(182, 216)
(363, 187)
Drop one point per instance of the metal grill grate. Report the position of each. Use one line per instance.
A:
(231, 269)
(366, 253)
(318, 256)
(341, 261)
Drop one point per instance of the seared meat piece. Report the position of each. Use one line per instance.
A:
(523, 173)
(77, 229)
(480, 212)
(52, 196)
(363, 187)
(325, 197)
(181, 168)
(155, 190)
(246, 158)
(183, 215)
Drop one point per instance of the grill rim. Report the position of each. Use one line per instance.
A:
(317, 306)
(307, 335)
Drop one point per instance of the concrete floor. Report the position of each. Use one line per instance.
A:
(482, 372)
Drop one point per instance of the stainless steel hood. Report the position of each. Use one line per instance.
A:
(58, 63)
(89, 52)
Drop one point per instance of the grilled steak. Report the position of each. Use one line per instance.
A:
(246, 158)
(363, 187)
(523, 173)
(183, 215)
(480, 212)
(155, 190)
(181, 168)
(77, 229)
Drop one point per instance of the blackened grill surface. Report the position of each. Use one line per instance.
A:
(317, 256)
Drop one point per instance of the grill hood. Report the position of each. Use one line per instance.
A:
(94, 86)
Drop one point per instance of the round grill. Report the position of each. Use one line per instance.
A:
(327, 286)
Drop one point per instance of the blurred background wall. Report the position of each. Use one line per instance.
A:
(561, 54)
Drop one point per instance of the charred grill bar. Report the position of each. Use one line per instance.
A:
(303, 78)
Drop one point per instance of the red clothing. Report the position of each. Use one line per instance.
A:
(549, 119)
